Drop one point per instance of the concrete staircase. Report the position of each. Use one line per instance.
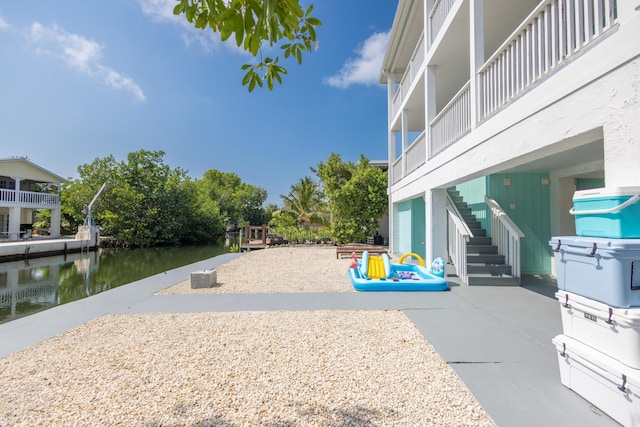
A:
(484, 265)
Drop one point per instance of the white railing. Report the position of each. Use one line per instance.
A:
(453, 122)
(554, 32)
(28, 199)
(410, 75)
(417, 153)
(506, 235)
(457, 239)
(11, 296)
(396, 170)
(439, 13)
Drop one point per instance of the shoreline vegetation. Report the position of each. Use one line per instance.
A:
(347, 367)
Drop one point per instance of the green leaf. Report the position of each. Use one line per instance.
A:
(314, 21)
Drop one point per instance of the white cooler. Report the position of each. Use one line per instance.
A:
(612, 331)
(606, 270)
(600, 379)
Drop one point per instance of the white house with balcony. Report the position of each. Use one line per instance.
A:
(498, 111)
(26, 188)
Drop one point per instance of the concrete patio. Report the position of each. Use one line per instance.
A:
(497, 339)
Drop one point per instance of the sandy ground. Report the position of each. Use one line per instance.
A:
(279, 269)
(311, 368)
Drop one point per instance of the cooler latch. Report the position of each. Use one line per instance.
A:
(564, 350)
(566, 301)
(593, 250)
(609, 321)
(622, 387)
(557, 249)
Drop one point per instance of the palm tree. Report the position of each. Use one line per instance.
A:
(305, 203)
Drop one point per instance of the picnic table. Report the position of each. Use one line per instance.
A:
(345, 251)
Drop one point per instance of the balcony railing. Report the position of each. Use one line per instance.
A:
(396, 170)
(439, 13)
(417, 153)
(29, 199)
(410, 75)
(452, 122)
(554, 32)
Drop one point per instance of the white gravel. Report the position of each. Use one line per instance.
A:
(321, 368)
(279, 269)
(313, 368)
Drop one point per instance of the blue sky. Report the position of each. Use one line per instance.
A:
(86, 79)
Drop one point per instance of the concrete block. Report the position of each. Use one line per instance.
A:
(203, 279)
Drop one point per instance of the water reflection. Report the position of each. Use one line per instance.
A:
(33, 285)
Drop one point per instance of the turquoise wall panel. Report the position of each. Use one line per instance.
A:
(525, 198)
(403, 227)
(418, 227)
(409, 227)
(586, 184)
(473, 193)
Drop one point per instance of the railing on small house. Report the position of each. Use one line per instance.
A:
(417, 153)
(506, 235)
(29, 198)
(453, 122)
(554, 32)
(458, 236)
(410, 74)
(439, 13)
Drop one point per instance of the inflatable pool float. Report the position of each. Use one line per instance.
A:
(378, 273)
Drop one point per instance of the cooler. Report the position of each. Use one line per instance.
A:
(606, 270)
(612, 331)
(607, 212)
(600, 379)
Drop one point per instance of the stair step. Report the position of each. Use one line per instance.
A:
(485, 258)
(474, 225)
(482, 240)
(452, 191)
(487, 268)
(469, 218)
(482, 249)
(478, 232)
(464, 210)
(491, 280)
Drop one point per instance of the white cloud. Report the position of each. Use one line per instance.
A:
(162, 11)
(82, 54)
(4, 24)
(365, 68)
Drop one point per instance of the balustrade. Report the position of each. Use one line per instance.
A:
(28, 199)
(554, 32)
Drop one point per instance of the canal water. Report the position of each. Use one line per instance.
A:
(37, 284)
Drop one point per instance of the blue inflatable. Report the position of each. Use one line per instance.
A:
(379, 274)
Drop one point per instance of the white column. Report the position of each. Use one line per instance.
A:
(14, 222)
(54, 228)
(391, 151)
(622, 148)
(436, 217)
(476, 34)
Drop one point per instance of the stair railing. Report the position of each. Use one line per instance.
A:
(458, 236)
(506, 235)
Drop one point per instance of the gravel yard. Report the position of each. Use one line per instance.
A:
(321, 368)
(293, 368)
(279, 269)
